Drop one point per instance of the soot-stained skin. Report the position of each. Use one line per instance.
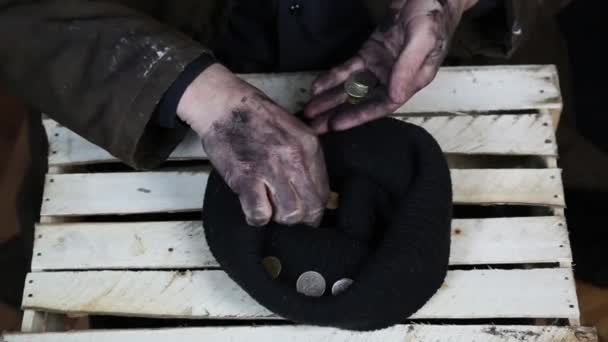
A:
(271, 159)
(404, 53)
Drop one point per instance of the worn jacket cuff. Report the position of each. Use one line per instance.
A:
(146, 144)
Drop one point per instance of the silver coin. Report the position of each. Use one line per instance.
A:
(341, 286)
(311, 284)
(272, 266)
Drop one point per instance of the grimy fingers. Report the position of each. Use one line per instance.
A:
(347, 116)
(286, 203)
(314, 190)
(255, 203)
(337, 75)
(410, 73)
(325, 101)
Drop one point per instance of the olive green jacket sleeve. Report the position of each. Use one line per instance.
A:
(98, 68)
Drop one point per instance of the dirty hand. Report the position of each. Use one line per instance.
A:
(404, 53)
(268, 157)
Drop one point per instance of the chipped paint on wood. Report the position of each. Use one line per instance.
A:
(397, 333)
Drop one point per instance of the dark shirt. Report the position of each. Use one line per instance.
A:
(292, 35)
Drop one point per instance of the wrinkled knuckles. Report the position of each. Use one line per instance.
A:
(291, 218)
(439, 50)
(310, 144)
(233, 181)
(292, 154)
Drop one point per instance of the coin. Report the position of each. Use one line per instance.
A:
(341, 286)
(332, 201)
(360, 84)
(272, 266)
(311, 284)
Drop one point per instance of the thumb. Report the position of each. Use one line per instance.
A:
(406, 78)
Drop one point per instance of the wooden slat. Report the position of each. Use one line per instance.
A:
(123, 193)
(534, 293)
(508, 186)
(398, 333)
(510, 241)
(182, 245)
(152, 192)
(524, 134)
(466, 89)
(37, 321)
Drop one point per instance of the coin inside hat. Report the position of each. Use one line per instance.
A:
(273, 266)
(341, 285)
(311, 284)
(332, 202)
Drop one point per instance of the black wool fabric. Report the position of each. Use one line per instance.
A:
(390, 232)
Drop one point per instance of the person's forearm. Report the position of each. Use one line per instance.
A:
(98, 68)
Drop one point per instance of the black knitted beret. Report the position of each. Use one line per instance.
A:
(390, 233)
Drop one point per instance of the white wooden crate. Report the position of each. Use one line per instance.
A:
(164, 268)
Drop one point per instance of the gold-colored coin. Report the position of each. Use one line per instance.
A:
(360, 84)
(332, 202)
(272, 266)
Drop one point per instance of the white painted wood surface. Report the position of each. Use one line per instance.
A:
(154, 192)
(182, 245)
(123, 193)
(522, 134)
(38, 322)
(32, 321)
(510, 241)
(468, 88)
(398, 333)
(508, 186)
(533, 293)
